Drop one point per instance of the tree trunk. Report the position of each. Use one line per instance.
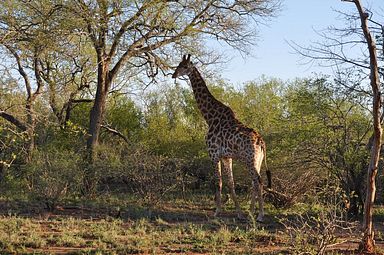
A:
(368, 244)
(31, 98)
(96, 119)
(97, 112)
(30, 130)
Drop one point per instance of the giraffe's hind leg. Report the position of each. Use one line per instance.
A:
(257, 192)
(257, 186)
(219, 186)
(227, 166)
(253, 198)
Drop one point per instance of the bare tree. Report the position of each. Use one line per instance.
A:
(338, 52)
(368, 244)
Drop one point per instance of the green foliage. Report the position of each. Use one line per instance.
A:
(124, 116)
(70, 137)
(312, 132)
(173, 127)
(10, 148)
(80, 115)
(259, 104)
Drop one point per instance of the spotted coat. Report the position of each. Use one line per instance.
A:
(227, 138)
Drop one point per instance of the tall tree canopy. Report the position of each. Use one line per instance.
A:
(143, 36)
(99, 46)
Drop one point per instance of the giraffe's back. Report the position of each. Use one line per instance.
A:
(233, 139)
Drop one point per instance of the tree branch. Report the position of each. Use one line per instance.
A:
(12, 119)
(85, 15)
(133, 49)
(84, 100)
(115, 132)
(124, 27)
(38, 71)
(21, 70)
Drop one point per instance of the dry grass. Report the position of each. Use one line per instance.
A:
(178, 226)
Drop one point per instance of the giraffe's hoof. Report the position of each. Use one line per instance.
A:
(241, 216)
(260, 219)
(217, 213)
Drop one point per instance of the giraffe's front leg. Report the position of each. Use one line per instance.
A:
(227, 165)
(219, 186)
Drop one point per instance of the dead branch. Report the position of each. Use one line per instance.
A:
(115, 132)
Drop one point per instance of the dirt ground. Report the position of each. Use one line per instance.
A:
(172, 228)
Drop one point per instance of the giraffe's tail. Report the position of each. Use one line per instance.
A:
(268, 172)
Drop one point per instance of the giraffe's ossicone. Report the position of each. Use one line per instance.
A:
(227, 138)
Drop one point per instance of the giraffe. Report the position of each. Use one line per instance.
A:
(227, 138)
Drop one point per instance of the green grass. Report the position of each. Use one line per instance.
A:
(142, 236)
(176, 226)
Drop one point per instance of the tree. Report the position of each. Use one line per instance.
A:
(37, 42)
(23, 37)
(144, 35)
(357, 68)
(368, 244)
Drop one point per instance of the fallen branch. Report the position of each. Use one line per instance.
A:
(115, 132)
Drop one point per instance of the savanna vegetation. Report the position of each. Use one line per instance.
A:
(101, 153)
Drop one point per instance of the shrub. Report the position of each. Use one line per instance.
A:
(52, 175)
(311, 232)
(152, 176)
(136, 170)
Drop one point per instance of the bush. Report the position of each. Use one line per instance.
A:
(152, 176)
(137, 171)
(312, 231)
(52, 175)
(293, 188)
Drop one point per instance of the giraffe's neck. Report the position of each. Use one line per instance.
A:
(208, 105)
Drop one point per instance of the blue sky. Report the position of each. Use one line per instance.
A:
(297, 22)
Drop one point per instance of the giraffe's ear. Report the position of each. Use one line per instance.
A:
(189, 57)
(184, 57)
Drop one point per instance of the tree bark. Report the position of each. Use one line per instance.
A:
(98, 108)
(31, 124)
(96, 118)
(368, 243)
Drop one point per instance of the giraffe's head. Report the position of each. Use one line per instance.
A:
(184, 68)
